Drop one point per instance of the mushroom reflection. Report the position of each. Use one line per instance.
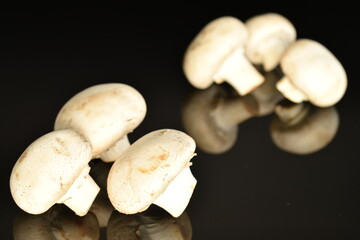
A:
(101, 207)
(212, 116)
(303, 128)
(55, 224)
(149, 227)
(266, 95)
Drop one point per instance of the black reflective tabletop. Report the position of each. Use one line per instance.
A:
(253, 188)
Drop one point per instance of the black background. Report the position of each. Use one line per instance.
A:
(253, 191)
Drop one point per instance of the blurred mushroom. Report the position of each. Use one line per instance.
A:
(303, 128)
(212, 116)
(269, 36)
(56, 224)
(143, 227)
(312, 73)
(217, 55)
(154, 169)
(54, 169)
(104, 114)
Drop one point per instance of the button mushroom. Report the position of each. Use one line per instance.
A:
(302, 128)
(56, 223)
(54, 169)
(146, 227)
(269, 36)
(155, 169)
(104, 114)
(217, 54)
(312, 73)
(212, 116)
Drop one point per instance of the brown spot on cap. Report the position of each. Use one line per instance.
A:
(23, 156)
(154, 162)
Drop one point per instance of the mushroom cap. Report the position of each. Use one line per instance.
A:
(309, 134)
(315, 71)
(47, 169)
(200, 123)
(210, 48)
(265, 28)
(103, 113)
(147, 167)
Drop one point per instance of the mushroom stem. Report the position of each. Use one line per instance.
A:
(234, 111)
(272, 53)
(290, 91)
(81, 194)
(239, 73)
(177, 195)
(292, 114)
(116, 150)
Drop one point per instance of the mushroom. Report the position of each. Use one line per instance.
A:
(55, 224)
(269, 36)
(144, 227)
(217, 55)
(312, 73)
(154, 170)
(54, 169)
(104, 114)
(302, 128)
(212, 117)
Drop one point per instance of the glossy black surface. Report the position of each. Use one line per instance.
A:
(254, 190)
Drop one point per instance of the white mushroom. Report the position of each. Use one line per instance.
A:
(217, 55)
(212, 117)
(269, 36)
(104, 114)
(302, 128)
(54, 169)
(57, 223)
(154, 169)
(312, 73)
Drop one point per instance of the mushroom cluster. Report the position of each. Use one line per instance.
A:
(267, 67)
(93, 125)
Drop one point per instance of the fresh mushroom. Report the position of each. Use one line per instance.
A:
(302, 128)
(269, 36)
(104, 114)
(145, 227)
(217, 55)
(154, 170)
(55, 224)
(212, 116)
(54, 169)
(312, 73)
